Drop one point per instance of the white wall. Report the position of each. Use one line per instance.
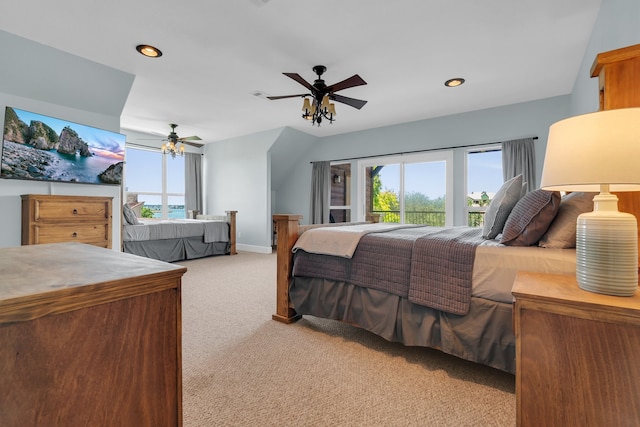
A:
(38, 78)
(237, 176)
(473, 128)
(617, 26)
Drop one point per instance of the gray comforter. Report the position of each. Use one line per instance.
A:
(431, 266)
(211, 231)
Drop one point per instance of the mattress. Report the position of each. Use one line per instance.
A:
(496, 266)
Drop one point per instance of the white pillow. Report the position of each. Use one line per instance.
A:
(501, 206)
(562, 231)
(129, 215)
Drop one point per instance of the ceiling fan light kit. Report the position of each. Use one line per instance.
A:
(173, 139)
(172, 149)
(317, 105)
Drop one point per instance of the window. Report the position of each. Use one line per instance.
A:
(340, 204)
(412, 189)
(155, 182)
(484, 179)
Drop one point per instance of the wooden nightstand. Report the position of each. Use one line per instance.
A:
(577, 354)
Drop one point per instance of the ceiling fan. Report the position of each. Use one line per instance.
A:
(319, 106)
(171, 147)
(174, 138)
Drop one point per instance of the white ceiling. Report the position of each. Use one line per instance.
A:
(218, 53)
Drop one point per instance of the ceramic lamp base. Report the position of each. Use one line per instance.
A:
(607, 249)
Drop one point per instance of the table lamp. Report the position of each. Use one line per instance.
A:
(599, 152)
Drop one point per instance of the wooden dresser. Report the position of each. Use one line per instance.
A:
(577, 354)
(89, 337)
(54, 219)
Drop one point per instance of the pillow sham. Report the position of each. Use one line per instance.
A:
(530, 218)
(562, 231)
(129, 215)
(500, 207)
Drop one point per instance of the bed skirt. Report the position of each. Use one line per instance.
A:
(484, 335)
(171, 250)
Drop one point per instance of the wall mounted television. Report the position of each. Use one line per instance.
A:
(43, 148)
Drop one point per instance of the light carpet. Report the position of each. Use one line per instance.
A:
(241, 368)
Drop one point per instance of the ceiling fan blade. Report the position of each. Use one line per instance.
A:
(352, 81)
(287, 96)
(299, 79)
(355, 103)
(193, 144)
(190, 138)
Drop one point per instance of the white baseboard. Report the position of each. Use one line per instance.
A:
(252, 248)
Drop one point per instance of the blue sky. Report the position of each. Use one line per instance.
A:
(102, 142)
(144, 174)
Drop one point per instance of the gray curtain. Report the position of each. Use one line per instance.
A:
(193, 182)
(518, 157)
(320, 182)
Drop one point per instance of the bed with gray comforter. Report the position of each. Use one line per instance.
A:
(178, 239)
(421, 286)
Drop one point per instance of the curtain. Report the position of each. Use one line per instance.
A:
(320, 182)
(518, 157)
(193, 182)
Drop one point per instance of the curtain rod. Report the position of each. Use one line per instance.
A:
(420, 151)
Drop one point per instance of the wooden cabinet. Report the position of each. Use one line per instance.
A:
(89, 337)
(54, 219)
(577, 354)
(618, 73)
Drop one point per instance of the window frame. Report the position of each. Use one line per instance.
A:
(423, 157)
(164, 194)
(467, 151)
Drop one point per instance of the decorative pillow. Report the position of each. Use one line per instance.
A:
(562, 232)
(500, 207)
(530, 218)
(129, 215)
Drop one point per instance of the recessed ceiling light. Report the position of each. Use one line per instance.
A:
(150, 51)
(454, 82)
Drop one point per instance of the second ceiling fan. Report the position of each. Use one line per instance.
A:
(319, 107)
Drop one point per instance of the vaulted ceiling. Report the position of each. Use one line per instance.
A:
(221, 58)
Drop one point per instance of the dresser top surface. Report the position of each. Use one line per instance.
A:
(39, 271)
(559, 288)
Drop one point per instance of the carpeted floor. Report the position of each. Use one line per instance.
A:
(240, 368)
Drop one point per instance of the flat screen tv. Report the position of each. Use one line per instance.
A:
(43, 148)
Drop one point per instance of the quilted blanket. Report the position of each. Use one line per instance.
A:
(442, 269)
(398, 261)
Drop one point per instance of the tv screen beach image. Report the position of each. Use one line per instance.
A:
(39, 147)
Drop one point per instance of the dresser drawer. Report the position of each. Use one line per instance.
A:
(96, 234)
(48, 218)
(71, 210)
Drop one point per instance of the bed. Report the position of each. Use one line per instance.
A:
(447, 288)
(180, 239)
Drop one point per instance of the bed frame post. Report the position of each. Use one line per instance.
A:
(287, 229)
(231, 219)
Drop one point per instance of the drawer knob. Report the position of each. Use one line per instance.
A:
(75, 211)
(74, 235)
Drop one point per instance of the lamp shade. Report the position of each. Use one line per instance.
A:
(599, 152)
(586, 151)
